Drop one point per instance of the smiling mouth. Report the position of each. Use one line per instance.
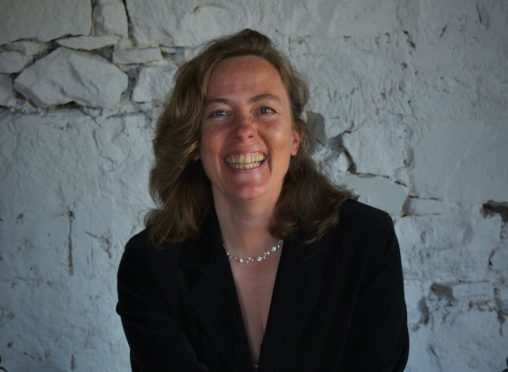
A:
(248, 161)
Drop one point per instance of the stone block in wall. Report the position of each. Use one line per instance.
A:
(136, 55)
(111, 18)
(501, 294)
(13, 62)
(185, 23)
(149, 21)
(44, 20)
(498, 259)
(379, 147)
(7, 94)
(448, 248)
(380, 192)
(65, 76)
(421, 207)
(153, 83)
(462, 161)
(473, 291)
(88, 42)
(459, 340)
(29, 48)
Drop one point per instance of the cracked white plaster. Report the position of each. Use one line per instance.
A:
(409, 104)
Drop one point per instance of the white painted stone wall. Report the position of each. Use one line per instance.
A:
(409, 103)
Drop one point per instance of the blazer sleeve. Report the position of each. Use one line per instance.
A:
(380, 340)
(156, 339)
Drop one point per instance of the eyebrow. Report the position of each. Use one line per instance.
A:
(254, 99)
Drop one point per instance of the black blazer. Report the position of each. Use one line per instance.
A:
(337, 304)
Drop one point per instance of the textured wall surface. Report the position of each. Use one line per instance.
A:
(409, 105)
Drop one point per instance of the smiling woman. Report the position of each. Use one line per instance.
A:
(253, 260)
(247, 132)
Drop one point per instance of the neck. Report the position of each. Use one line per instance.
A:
(245, 226)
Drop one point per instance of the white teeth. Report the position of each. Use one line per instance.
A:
(246, 165)
(247, 161)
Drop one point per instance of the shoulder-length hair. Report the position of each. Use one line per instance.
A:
(178, 183)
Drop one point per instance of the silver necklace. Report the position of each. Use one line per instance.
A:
(262, 257)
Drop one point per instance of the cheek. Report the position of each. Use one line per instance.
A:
(209, 152)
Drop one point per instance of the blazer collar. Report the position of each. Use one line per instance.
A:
(297, 287)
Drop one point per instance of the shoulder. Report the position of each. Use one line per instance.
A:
(142, 255)
(140, 245)
(369, 232)
(138, 241)
(357, 216)
(361, 231)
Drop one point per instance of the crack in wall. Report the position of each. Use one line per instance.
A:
(502, 312)
(70, 262)
(443, 30)
(409, 40)
(423, 308)
(72, 363)
(129, 21)
(104, 243)
(2, 368)
(435, 358)
(483, 16)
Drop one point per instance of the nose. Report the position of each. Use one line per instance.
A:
(245, 128)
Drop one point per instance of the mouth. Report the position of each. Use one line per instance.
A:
(245, 161)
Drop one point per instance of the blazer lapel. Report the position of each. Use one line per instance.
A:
(214, 297)
(297, 288)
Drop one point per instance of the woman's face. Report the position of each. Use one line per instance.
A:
(247, 132)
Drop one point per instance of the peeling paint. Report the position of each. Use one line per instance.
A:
(491, 208)
(443, 292)
(424, 315)
(316, 122)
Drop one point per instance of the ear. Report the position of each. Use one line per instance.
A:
(297, 138)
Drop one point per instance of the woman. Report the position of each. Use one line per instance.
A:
(253, 260)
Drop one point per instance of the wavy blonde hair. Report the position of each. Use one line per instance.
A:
(178, 184)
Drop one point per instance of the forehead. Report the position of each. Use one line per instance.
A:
(244, 73)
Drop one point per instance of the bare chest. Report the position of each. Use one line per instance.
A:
(254, 287)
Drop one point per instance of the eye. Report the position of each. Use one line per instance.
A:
(266, 110)
(218, 114)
